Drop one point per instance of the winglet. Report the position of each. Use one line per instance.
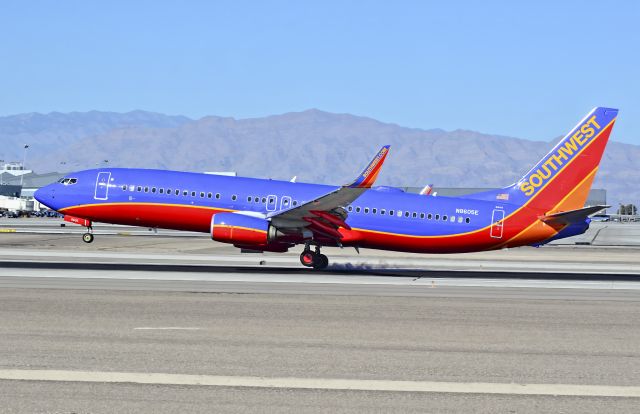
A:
(369, 174)
(427, 190)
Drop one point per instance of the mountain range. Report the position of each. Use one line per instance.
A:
(314, 145)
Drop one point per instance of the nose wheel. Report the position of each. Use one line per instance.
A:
(88, 236)
(314, 259)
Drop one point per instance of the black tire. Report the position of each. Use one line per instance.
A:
(307, 259)
(87, 237)
(321, 262)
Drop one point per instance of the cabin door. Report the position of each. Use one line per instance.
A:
(272, 202)
(497, 224)
(102, 186)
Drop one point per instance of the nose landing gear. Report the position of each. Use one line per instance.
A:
(314, 259)
(88, 236)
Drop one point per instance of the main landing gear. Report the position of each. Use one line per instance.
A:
(313, 259)
(88, 236)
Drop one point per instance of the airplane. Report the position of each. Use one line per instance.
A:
(265, 215)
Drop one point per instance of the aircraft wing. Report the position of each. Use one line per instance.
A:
(325, 214)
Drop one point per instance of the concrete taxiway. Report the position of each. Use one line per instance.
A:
(166, 323)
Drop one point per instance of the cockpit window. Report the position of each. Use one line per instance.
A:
(68, 181)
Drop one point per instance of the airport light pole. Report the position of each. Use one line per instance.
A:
(24, 161)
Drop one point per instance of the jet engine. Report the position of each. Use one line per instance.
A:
(242, 230)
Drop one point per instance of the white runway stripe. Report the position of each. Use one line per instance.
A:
(166, 328)
(323, 383)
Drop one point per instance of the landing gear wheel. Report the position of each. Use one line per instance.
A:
(307, 258)
(87, 237)
(321, 261)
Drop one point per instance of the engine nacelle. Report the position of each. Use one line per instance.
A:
(242, 230)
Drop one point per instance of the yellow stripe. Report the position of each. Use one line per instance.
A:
(576, 188)
(240, 227)
(145, 204)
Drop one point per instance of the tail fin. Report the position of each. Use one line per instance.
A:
(562, 179)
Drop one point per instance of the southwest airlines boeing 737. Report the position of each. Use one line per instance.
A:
(547, 203)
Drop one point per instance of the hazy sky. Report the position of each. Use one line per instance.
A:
(529, 71)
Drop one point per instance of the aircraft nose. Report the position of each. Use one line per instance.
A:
(45, 195)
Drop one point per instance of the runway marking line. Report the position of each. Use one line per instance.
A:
(323, 383)
(166, 328)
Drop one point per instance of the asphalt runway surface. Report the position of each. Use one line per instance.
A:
(177, 324)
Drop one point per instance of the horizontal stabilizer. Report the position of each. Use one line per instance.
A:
(572, 216)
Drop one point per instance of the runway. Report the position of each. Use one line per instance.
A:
(175, 324)
(573, 355)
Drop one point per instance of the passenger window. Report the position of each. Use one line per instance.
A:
(146, 189)
(444, 218)
(264, 199)
(406, 214)
(249, 199)
(177, 192)
(217, 196)
(234, 197)
(467, 220)
(295, 202)
(366, 210)
(350, 208)
(357, 209)
(437, 216)
(185, 193)
(383, 211)
(453, 219)
(429, 216)
(161, 190)
(153, 189)
(414, 215)
(374, 210)
(391, 212)
(124, 188)
(257, 200)
(209, 195)
(422, 215)
(139, 188)
(193, 194)
(201, 194)
(460, 219)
